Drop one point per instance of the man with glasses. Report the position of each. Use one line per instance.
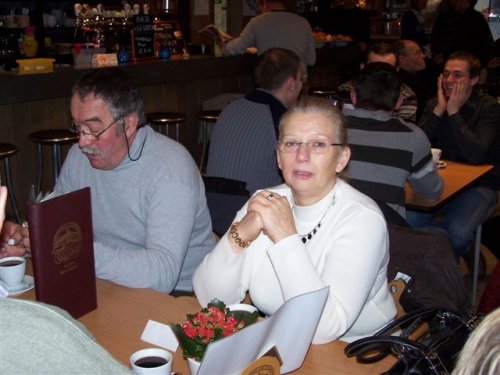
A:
(151, 222)
(415, 73)
(387, 152)
(383, 52)
(464, 123)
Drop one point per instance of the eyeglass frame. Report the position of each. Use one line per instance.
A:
(77, 130)
(298, 144)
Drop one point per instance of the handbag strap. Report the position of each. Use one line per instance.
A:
(374, 348)
(413, 319)
(364, 348)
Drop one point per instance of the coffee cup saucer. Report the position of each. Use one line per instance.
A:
(28, 283)
(440, 164)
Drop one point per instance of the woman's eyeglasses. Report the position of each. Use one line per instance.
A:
(316, 146)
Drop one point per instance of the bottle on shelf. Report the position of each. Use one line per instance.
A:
(29, 44)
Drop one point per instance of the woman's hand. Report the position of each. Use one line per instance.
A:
(275, 214)
(269, 213)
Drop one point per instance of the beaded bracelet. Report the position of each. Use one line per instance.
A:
(236, 236)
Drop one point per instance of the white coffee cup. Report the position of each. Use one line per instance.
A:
(12, 270)
(436, 154)
(151, 361)
(242, 307)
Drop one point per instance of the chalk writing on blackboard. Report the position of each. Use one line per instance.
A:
(143, 37)
(168, 33)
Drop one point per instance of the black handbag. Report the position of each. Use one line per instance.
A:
(430, 348)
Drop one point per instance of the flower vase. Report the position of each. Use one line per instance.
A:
(193, 365)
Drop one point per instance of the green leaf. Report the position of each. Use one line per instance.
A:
(245, 316)
(217, 304)
(190, 348)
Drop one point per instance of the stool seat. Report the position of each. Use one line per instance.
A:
(8, 150)
(322, 91)
(162, 120)
(54, 136)
(166, 117)
(328, 93)
(205, 118)
(209, 116)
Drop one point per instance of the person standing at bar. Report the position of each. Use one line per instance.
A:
(275, 27)
(459, 27)
(413, 25)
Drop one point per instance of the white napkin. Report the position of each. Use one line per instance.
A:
(161, 335)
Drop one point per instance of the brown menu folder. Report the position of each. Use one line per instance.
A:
(62, 249)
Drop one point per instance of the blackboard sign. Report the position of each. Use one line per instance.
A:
(168, 33)
(143, 37)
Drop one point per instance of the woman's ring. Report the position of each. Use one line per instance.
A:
(270, 196)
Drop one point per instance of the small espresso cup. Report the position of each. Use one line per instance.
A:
(151, 361)
(436, 155)
(12, 270)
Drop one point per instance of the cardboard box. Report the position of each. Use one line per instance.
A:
(34, 66)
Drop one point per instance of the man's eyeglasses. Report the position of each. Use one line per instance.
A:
(316, 146)
(78, 130)
(455, 75)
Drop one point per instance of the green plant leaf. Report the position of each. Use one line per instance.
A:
(190, 348)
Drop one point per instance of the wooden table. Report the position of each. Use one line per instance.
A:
(456, 177)
(123, 312)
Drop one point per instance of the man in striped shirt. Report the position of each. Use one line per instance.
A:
(387, 151)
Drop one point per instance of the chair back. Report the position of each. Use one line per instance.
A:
(220, 101)
(224, 198)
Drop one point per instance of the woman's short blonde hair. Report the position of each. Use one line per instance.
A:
(314, 104)
(481, 353)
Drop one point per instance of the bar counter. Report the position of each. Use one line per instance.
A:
(41, 101)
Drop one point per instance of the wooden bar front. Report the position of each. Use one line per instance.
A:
(41, 101)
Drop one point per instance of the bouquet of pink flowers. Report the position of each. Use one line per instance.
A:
(212, 323)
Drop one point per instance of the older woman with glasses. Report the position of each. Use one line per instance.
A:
(313, 231)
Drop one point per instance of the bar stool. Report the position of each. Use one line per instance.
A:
(205, 118)
(327, 93)
(55, 138)
(8, 150)
(162, 120)
(324, 92)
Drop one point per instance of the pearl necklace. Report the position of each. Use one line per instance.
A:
(308, 236)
